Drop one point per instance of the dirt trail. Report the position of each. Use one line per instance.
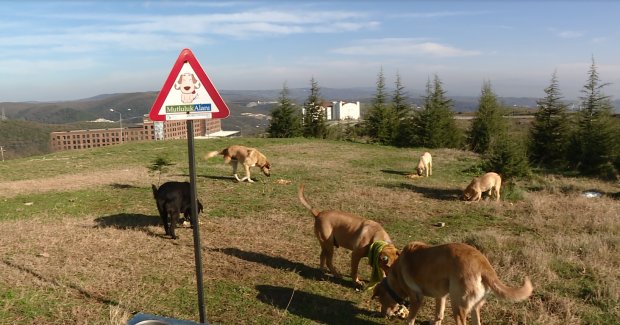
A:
(73, 182)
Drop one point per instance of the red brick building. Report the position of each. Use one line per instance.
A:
(149, 131)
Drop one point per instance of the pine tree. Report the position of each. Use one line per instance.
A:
(380, 121)
(284, 118)
(594, 144)
(488, 124)
(422, 122)
(548, 134)
(449, 134)
(508, 158)
(401, 107)
(434, 126)
(402, 110)
(314, 124)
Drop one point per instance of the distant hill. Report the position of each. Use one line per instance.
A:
(99, 97)
(130, 105)
(133, 106)
(22, 138)
(54, 114)
(26, 133)
(300, 94)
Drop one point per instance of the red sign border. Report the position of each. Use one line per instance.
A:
(187, 55)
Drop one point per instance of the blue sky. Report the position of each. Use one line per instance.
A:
(77, 49)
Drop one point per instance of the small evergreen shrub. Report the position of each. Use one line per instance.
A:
(508, 158)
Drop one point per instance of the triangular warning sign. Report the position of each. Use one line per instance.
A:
(188, 94)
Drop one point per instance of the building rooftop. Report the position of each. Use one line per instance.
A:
(88, 130)
(218, 134)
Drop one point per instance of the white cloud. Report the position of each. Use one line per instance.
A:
(88, 42)
(570, 34)
(442, 14)
(38, 67)
(200, 4)
(599, 39)
(249, 23)
(403, 46)
(204, 23)
(157, 32)
(583, 67)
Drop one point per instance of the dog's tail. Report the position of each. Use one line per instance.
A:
(315, 212)
(154, 190)
(211, 154)
(505, 292)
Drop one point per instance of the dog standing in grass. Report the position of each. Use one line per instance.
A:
(174, 198)
(425, 164)
(491, 182)
(455, 270)
(336, 228)
(248, 157)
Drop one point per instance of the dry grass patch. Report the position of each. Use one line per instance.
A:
(91, 250)
(137, 176)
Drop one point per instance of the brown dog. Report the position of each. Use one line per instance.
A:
(336, 228)
(491, 182)
(455, 270)
(248, 157)
(425, 164)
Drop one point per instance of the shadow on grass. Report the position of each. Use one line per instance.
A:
(432, 193)
(282, 263)
(395, 172)
(84, 293)
(311, 306)
(614, 195)
(128, 221)
(225, 178)
(122, 186)
(133, 221)
(570, 189)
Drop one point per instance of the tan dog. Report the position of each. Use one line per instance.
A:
(425, 164)
(491, 182)
(455, 270)
(336, 228)
(248, 157)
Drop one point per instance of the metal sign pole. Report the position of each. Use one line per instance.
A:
(197, 249)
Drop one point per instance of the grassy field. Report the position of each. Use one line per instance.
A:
(81, 240)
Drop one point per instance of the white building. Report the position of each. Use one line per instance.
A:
(341, 110)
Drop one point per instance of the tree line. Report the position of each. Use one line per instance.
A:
(587, 141)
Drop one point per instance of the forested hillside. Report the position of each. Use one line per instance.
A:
(26, 138)
(26, 132)
(54, 114)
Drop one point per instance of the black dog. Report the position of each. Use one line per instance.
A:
(172, 198)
